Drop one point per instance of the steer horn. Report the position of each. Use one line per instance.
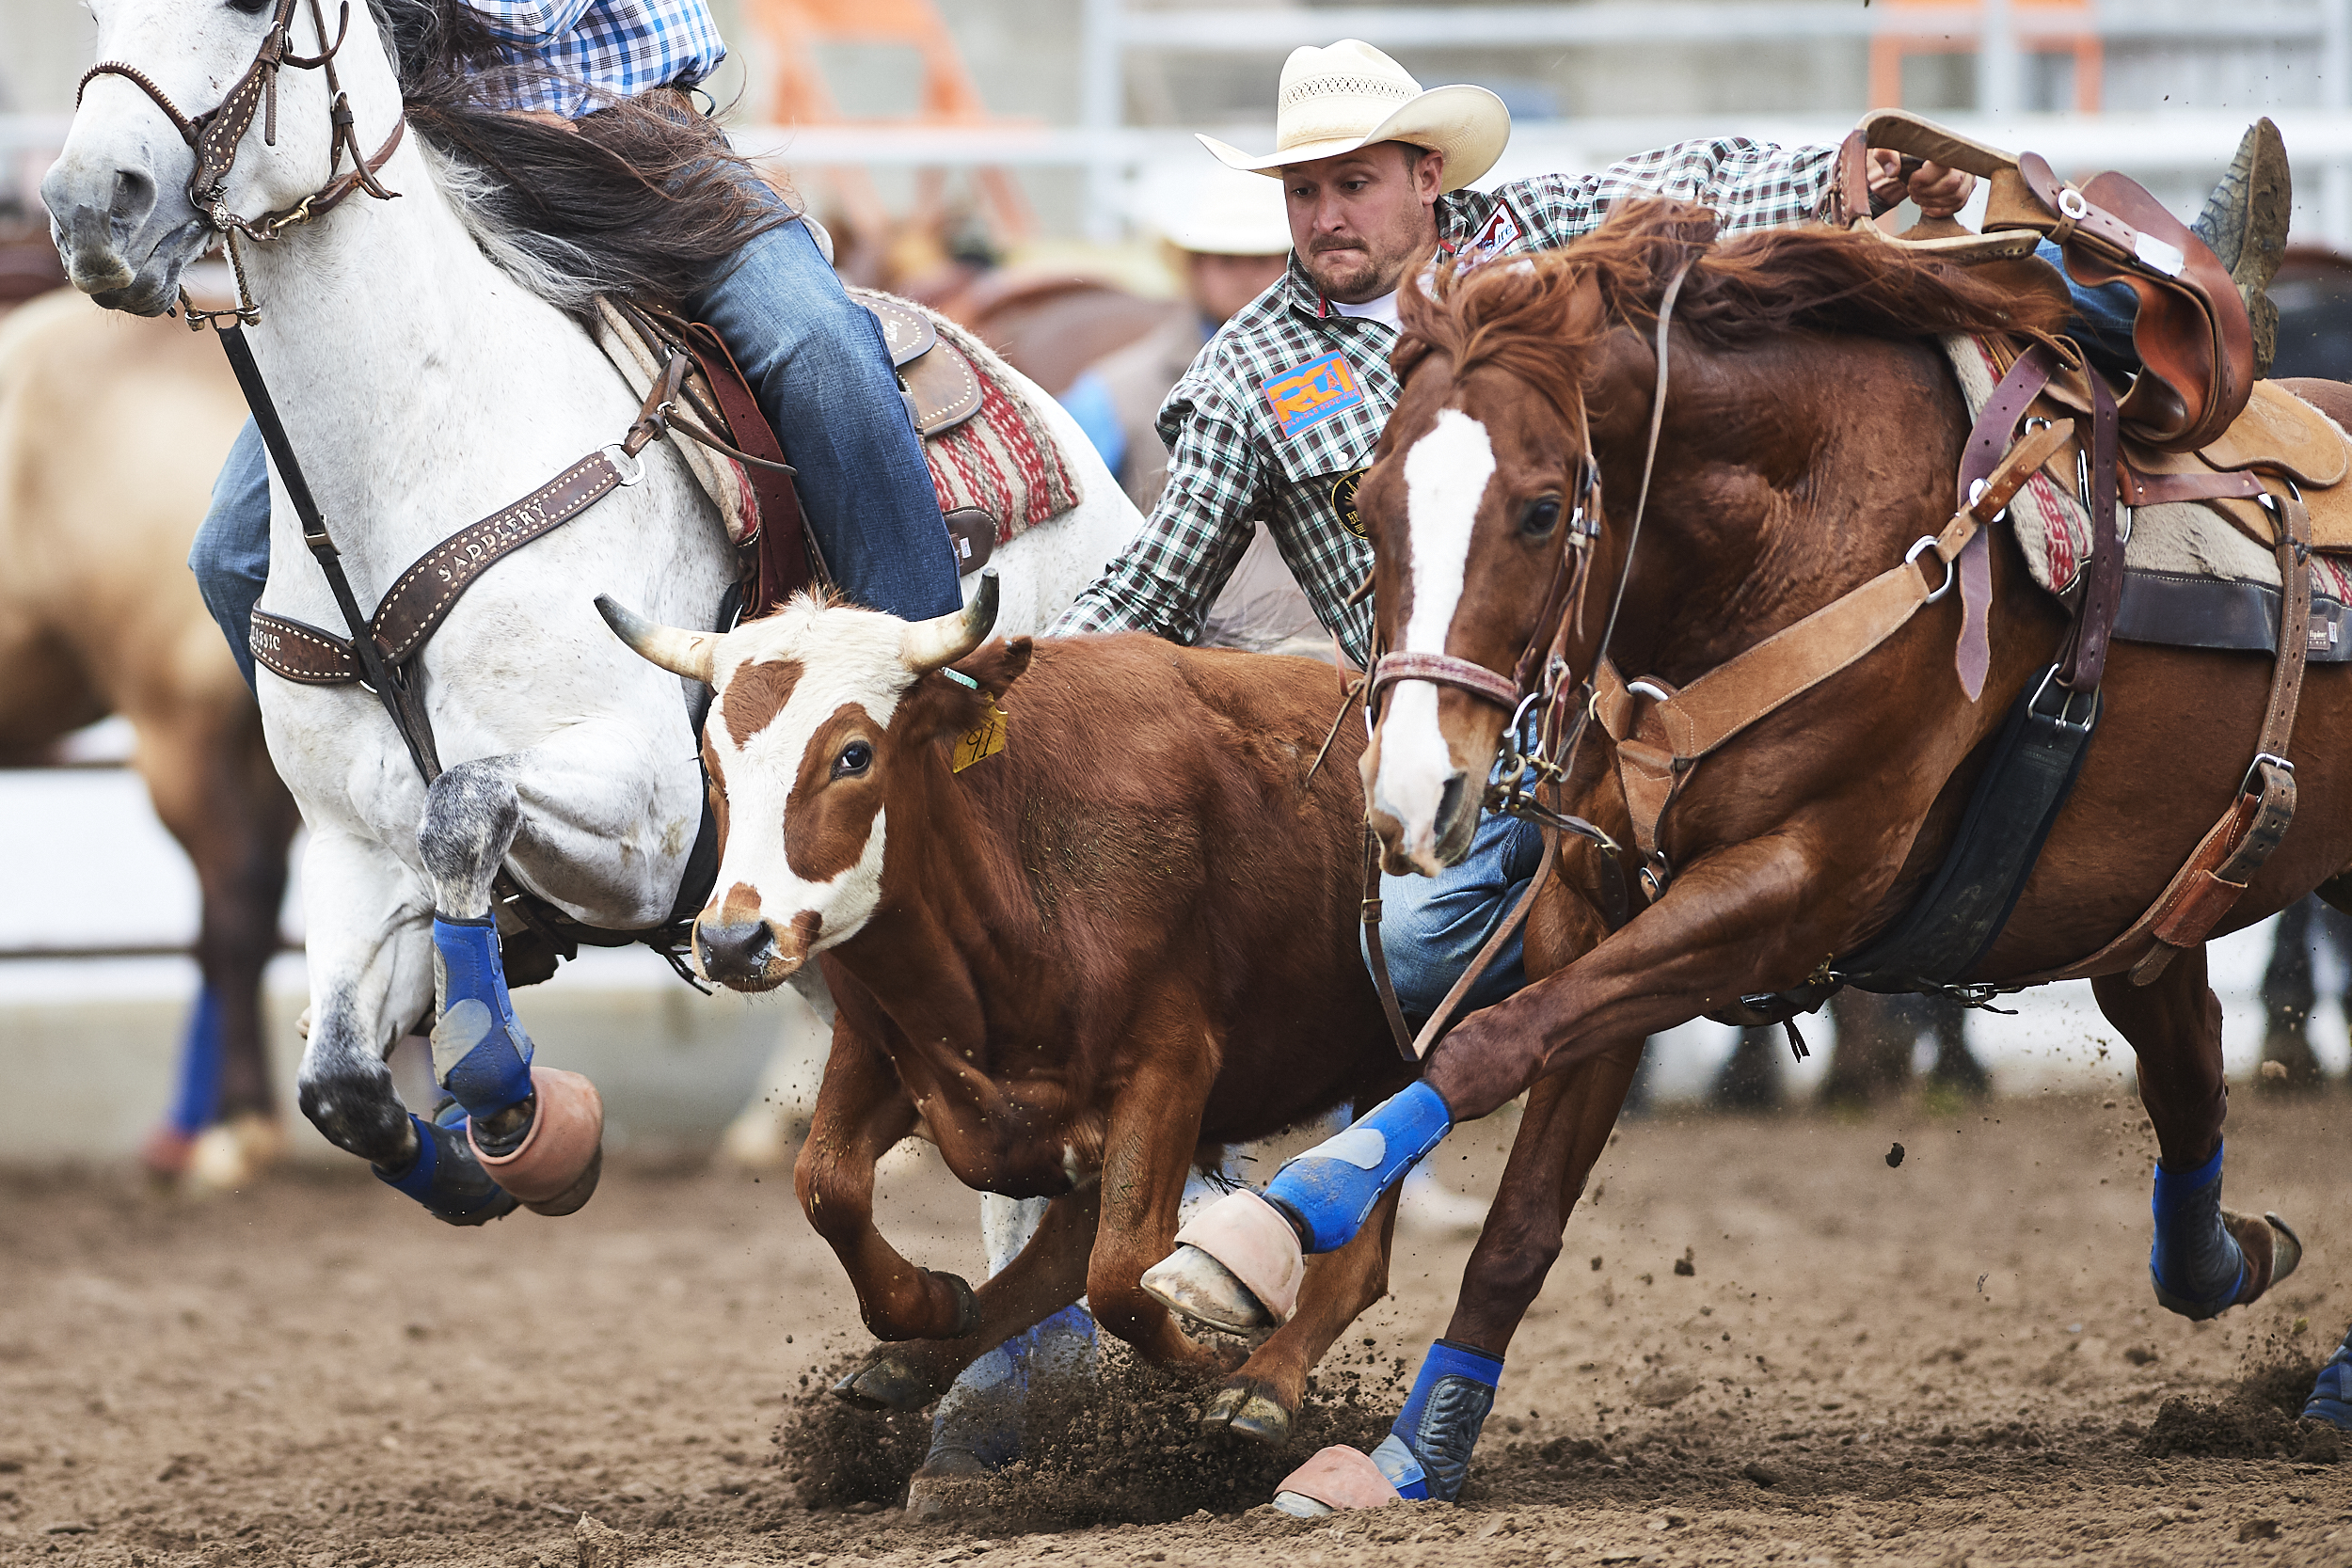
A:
(682, 652)
(927, 645)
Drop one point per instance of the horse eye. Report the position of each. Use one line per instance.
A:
(1541, 517)
(251, 8)
(855, 758)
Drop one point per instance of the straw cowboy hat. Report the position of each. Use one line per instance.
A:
(1351, 95)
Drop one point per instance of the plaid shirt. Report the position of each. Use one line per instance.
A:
(604, 49)
(1278, 414)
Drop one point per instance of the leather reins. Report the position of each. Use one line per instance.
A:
(216, 135)
(1539, 684)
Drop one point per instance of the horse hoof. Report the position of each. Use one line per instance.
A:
(2287, 1248)
(165, 1152)
(555, 1168)
(1248, 1409)
(950, 1485)
(1334, 1479)
(886, 1382)
(233, 1154)
(1192, 1284)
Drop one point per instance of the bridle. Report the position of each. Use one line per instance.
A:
(216, 135)
(1543, 688)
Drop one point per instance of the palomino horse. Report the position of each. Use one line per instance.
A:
(1810, 434)
(109, 434)
(427, 358)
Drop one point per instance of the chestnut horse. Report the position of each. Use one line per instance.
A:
(1811, 432)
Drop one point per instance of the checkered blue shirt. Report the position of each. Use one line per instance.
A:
(604, 49)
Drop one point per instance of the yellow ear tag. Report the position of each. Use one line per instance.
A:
(986, 738)
(984, 742)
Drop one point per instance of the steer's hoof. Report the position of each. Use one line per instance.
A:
(887, 1382)
(1248, 1408)
(554, 1169)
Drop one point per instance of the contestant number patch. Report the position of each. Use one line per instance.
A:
(1314, 392)
(1344, 501)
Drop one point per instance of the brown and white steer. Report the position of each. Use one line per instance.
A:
(1081, 966)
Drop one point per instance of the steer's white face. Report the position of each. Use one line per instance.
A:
(795, 743)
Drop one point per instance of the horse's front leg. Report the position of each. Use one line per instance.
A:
(1757, 915)
(538, 1131)
(371, 959)
(2204, 1259)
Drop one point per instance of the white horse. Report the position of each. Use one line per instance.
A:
(423, 385)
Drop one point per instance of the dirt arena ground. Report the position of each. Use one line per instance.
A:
(1952, 1361)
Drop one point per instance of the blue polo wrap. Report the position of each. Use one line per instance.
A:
(1331, 1188)
(2196, 1264)
(479, 1046)
(1440, 1422)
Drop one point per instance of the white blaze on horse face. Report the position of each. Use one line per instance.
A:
(845, 659)
(1445, 478)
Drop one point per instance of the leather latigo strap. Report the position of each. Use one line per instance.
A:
(1660, 739)
(1988, 442)
(2208, 887)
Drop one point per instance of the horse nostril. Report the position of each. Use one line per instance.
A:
(1450, 801)
(134, 197)
(737, 947)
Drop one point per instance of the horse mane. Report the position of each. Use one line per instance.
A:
(642, 196)
(1523, 315)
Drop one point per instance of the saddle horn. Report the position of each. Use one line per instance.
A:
(927, 645)
(682, 652)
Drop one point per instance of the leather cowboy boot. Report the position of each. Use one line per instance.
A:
(2245, 221)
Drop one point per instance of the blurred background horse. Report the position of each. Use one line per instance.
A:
(110, 432)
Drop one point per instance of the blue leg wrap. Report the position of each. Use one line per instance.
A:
(981, 1415)
(2331, 1393)
(480, 1051)
(446, 1178)
(2195, 1262)
(1427, 1453)
(198, 1101)
(1330, 1189)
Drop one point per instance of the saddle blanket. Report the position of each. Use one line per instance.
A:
(2195, 574)
(1003, 460)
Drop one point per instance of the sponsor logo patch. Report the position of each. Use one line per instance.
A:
(1305, 396)
(1501, 232)
(1344, 501)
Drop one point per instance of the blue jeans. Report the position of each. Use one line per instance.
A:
(2102, 318)
(815, 358)
(1431, 926)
